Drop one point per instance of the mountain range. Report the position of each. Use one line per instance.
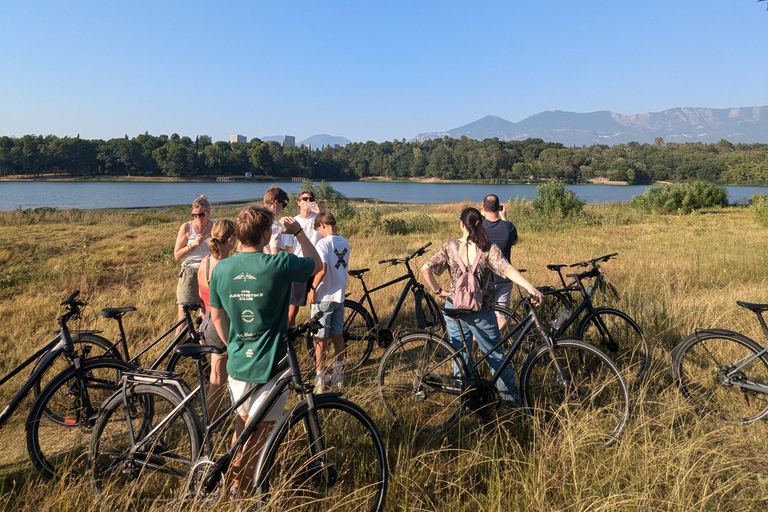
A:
(746, 124)
(315, 141)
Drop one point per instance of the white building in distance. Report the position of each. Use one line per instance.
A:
(237, 138)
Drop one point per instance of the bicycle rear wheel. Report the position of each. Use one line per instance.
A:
(428, 315)
(358, 335)
(616, 333)
(157, 469)
(704, 366)
(593, 399)
(421, 382)
(60, 421)
(345, 466)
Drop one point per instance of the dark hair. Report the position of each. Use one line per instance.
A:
(473, 221)
(491, 203)
(307, 192)
(251, 223)
(325, 217)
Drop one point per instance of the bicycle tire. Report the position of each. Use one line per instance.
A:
(418, 382)
(98, 346)
(350, 468)
(59, 424)
(700, 363)
(358, 334)
(159, 470)
(605, 294)
(428, 315)
(596, 402)
(618, 335)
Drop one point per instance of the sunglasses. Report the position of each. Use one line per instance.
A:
(284, 203)
(202, 214)
(306, 198)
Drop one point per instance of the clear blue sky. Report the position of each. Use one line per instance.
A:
(365, 70)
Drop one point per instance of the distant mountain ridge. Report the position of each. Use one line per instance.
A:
(745, 124)
(320, 141)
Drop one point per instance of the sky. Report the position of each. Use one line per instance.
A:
(365, 70)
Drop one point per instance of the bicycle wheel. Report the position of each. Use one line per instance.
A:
(92, 344)
(604, 294)
(616, 333)
(421, 382)
(704, 366)
(358, 334)
(158, 466)
(60, 421)
(593, 398)
(428, 315)
(347, 465)
(187, 368)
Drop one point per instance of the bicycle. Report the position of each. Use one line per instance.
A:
(600, 290)
(323, 451)
(426, 383)
(57, 423)
(723, 372)
(362, 325)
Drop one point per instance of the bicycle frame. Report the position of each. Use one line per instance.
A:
(412, 284)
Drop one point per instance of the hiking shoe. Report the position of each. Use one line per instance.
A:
(337, 381)
(319, 384)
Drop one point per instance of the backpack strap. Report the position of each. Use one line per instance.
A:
(478, 253)
(458, 258)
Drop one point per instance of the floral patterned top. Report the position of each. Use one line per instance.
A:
(490, 262)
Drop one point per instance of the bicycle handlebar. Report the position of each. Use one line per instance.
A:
(70, 298)
(395, 261)
(584, 275)
(313, 324)
(593, 261)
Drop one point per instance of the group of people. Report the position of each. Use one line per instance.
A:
(250, 299)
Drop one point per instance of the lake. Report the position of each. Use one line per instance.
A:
(90, 195)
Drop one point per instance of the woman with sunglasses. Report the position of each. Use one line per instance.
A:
(191, 247)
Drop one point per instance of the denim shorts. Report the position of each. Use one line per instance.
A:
(332, 320)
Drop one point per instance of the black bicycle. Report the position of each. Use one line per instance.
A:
(324, 451)
(59, 421)
(425, 382)
(362, 326)
(724, 373)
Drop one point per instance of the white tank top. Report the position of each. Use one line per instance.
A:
(198, 253)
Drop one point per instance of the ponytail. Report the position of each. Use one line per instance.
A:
(473, 221)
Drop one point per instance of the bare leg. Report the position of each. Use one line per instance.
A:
(338, 346)
(319, 349)
(218, 388)
(293, 312)
(244, 462)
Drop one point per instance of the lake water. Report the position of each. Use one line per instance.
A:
(89, 195)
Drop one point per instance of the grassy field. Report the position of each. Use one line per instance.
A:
(675, 274)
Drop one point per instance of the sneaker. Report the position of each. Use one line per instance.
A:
(337, 380)
(319, 384)
(235, 493)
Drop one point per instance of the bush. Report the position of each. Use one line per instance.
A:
(554, 200)
(328, 198)
(421, 224)
(682, 198)
(759, 207)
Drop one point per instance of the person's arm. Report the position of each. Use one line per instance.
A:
(292, 227)
(502, 212)
(516, 277)
(429, 277)
(221, 322)
(182, 248)
(316, 282)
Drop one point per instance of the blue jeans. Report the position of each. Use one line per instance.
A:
(482, 326)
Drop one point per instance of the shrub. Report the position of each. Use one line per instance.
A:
(759, 207)
(681, 198)
(328, 198)
(554, 200)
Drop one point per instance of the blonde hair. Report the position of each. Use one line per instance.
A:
(221, 232)
(201, 202)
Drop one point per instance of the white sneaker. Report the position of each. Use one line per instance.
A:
(337, 380)
(319, 384)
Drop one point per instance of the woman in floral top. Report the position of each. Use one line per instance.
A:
(482, 324)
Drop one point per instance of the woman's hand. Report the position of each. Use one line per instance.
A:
(443, 294)
(536, 296)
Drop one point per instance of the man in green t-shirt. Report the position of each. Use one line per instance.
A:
(249, 307)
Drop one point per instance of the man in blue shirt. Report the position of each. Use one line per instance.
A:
(503, 234)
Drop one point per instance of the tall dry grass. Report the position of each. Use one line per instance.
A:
(675, 274)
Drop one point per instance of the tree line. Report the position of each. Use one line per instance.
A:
(446, 158)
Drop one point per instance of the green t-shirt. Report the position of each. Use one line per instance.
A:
(254, 289)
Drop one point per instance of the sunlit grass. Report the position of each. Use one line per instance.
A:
(674, 273)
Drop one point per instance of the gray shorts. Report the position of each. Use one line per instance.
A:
(209, 334)
(299, 291)
(502, 292)
(186, 290)
(332, 320)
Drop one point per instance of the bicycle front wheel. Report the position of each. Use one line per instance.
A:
(428, 315)
(358, 334)
(590, 395)
(421, 382)
(345, 465)
(721, 373)
(60, 421)
(616, 333)
(157, 464)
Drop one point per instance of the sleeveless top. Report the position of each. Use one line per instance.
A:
(205, 291)
(198, 253)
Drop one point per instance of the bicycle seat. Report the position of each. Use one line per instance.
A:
(757, 308)
(556, 267)
(456, 313)
(195, 351)
(357, 273)
(116, 312)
